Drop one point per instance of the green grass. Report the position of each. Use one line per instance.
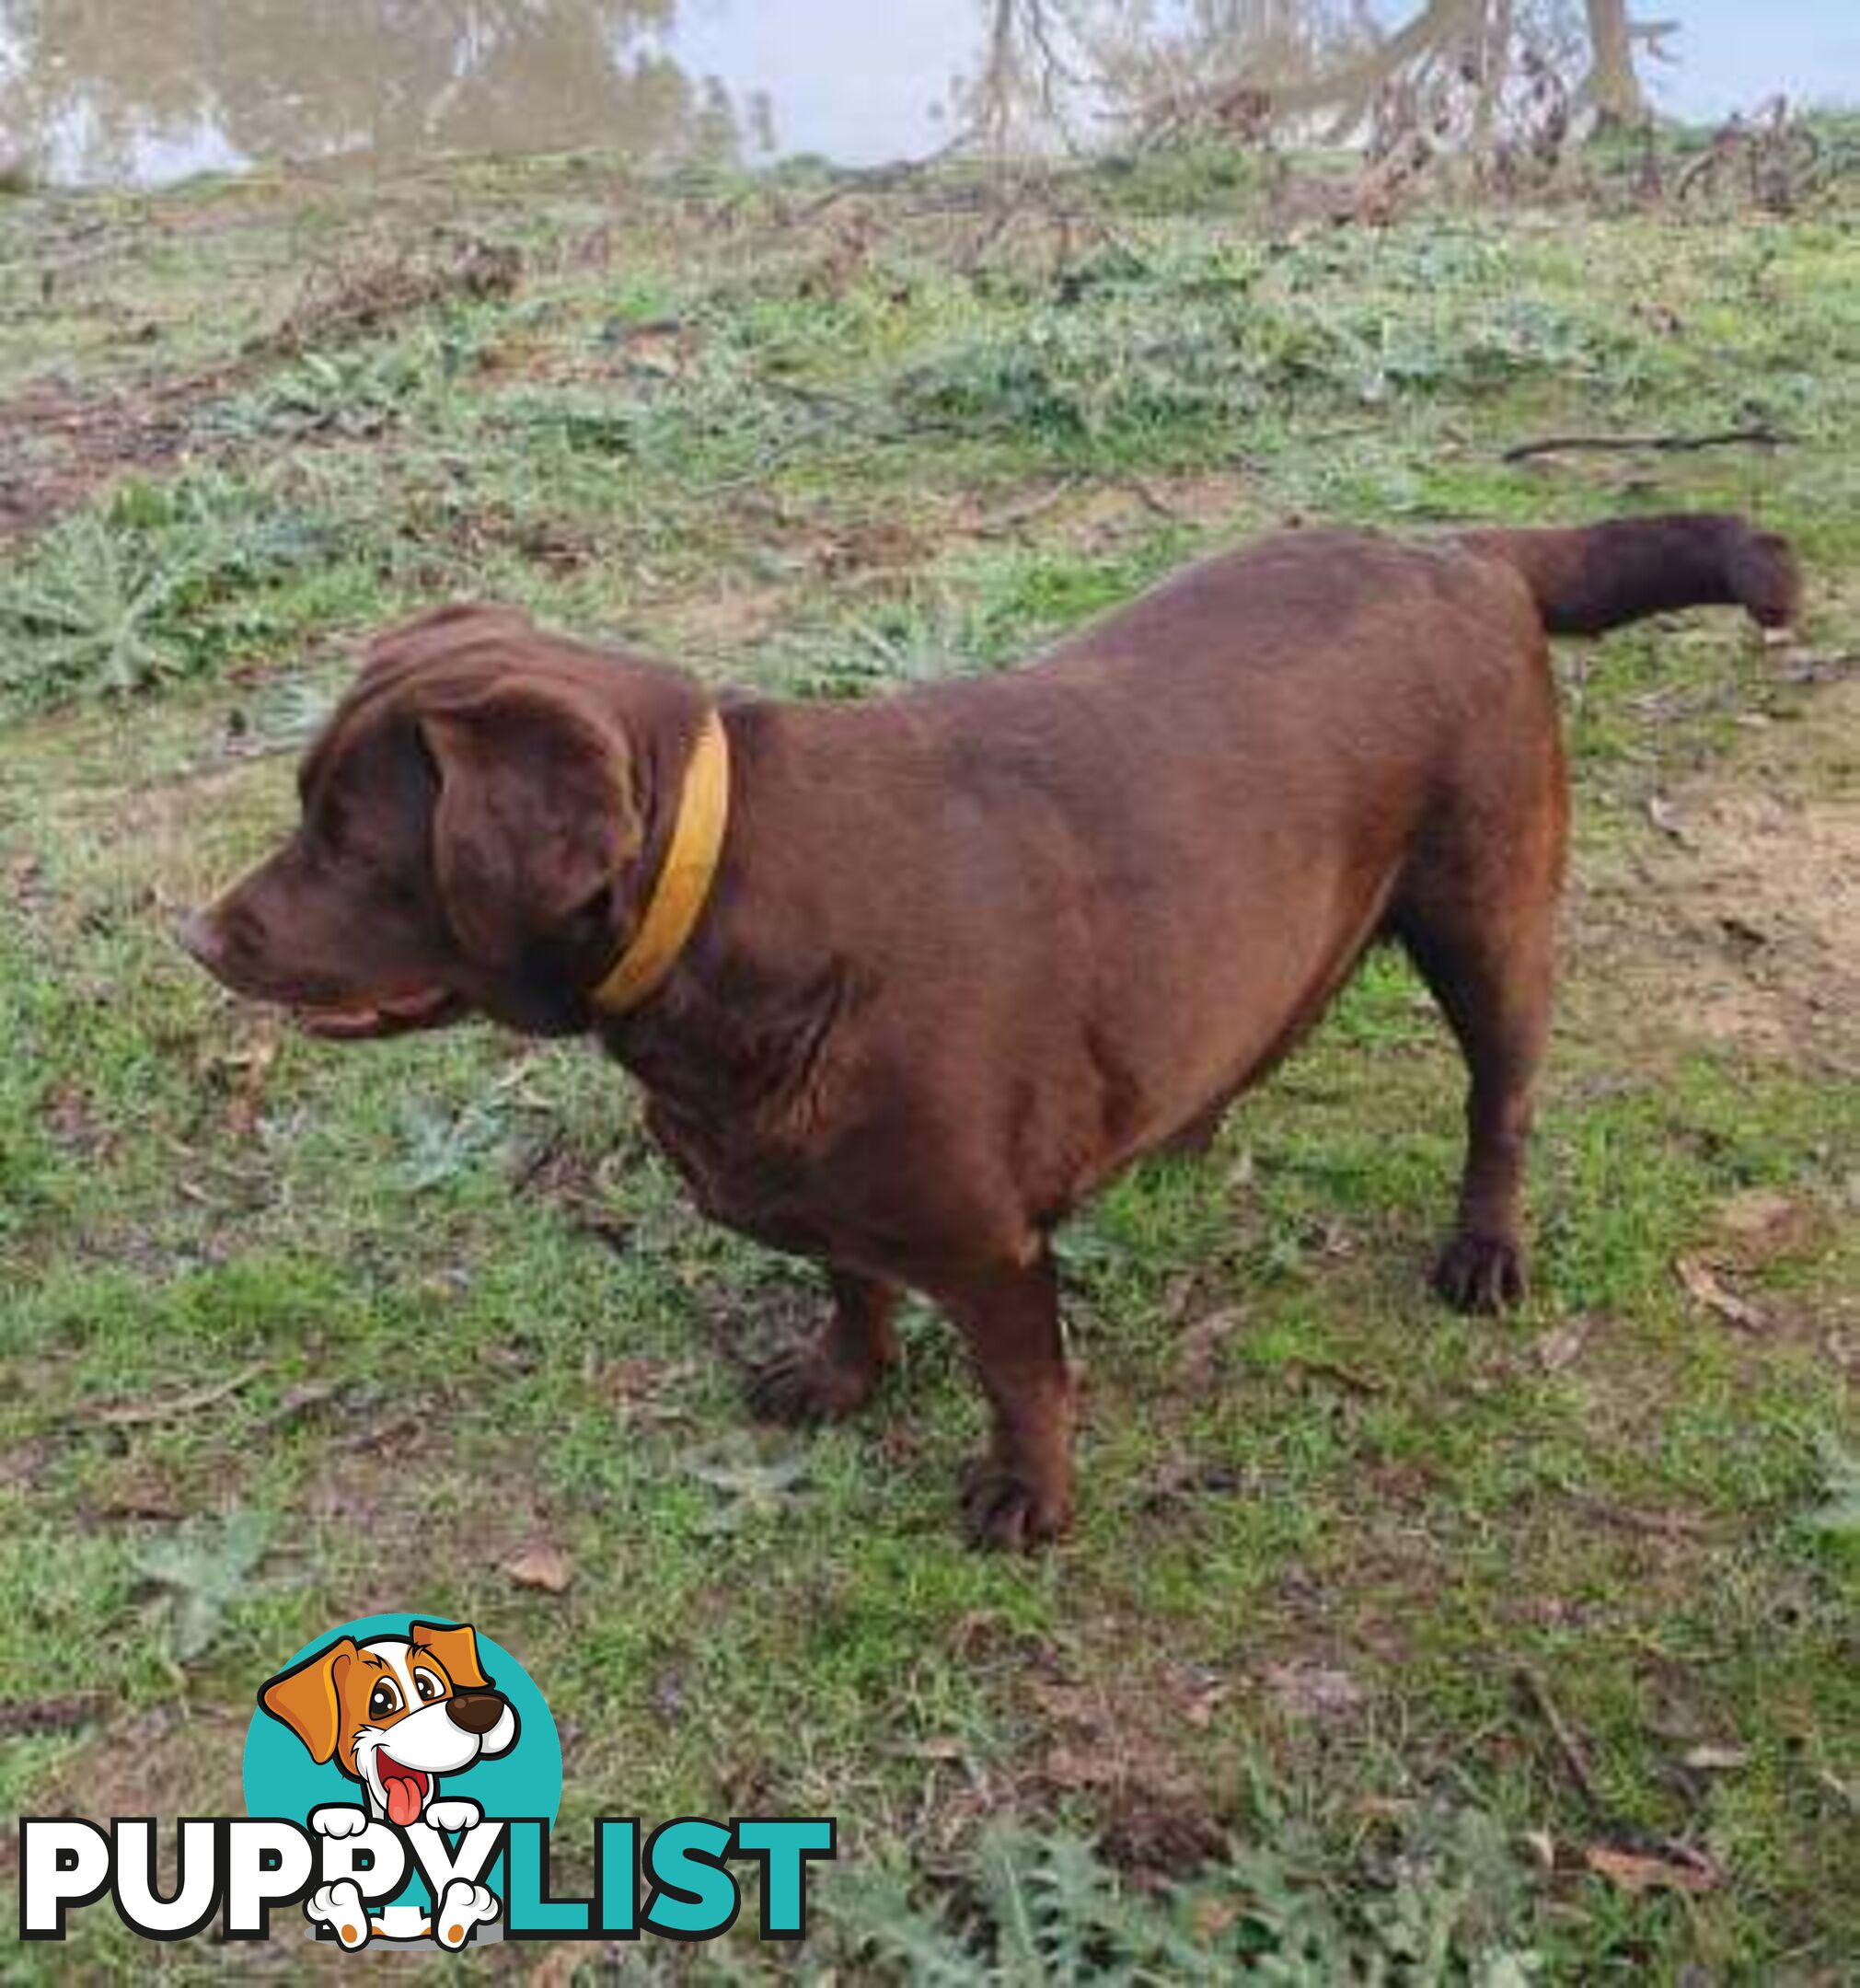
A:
(1322, 1524)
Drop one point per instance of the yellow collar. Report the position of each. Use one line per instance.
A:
(684, 880)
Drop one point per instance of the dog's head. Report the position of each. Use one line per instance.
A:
(396, 1712)
(480, 822)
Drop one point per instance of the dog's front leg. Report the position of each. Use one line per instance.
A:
(338, 1906)
(338, 1818)
(1017, 1494)
(835, 1374)
(462, 1905)
(454, 1813)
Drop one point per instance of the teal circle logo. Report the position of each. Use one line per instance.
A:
(284, 1778)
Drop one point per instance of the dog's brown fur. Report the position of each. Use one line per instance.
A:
(972, 949)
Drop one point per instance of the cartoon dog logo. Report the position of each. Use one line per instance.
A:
(394, 1713)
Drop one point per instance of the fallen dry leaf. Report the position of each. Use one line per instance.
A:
(1718, 1759)
(1760, 1224)
(1628, 1872)
(1560, 1347)
(247, 1071)
(1077, 1706)
(1069, 1767)
(1756, 1212)
(1198, 1693)
(637, 1389)
(557, 1968)
(1663, 815)
(1312, 1691)
(545, 1568)
(1212, 1916)
(1703, 1285)
(1194, 1355)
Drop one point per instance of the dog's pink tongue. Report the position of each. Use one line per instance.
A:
(403, 1799)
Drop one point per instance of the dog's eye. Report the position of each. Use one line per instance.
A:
(384, 1700)
(427, 1685)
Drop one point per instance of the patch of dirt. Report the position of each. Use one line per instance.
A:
(396, 1483)
(170, 1761)
(1089, 512)
(134, 1488)
(66, 445)
(719, 624)
(1132, 1744)
(1739, 920)
(879, 545)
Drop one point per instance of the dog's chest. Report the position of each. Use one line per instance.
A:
(754, 1179)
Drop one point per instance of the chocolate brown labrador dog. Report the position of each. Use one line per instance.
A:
(904, 981)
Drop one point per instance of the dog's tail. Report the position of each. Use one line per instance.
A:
(1597, 576)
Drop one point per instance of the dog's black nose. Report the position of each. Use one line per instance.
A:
(475, 1712)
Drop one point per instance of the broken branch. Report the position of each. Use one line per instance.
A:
(1755, 437)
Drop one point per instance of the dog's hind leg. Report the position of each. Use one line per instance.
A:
(1018, 1493)
(1497, 996)
(1479, 923)
(835, 1373)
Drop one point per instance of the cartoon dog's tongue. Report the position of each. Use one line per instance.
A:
(404, 1788)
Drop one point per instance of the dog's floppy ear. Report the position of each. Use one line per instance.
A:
(457, 1649)
(307, 1697)
(535, 814)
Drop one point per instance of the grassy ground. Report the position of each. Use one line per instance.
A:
(1383, 1631)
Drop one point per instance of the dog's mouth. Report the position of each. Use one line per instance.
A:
(405, 1789)
(395, 1014)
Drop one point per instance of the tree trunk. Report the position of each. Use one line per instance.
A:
(1613, 87)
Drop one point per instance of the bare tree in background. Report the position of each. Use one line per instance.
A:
(1324, 65)
(278, 77)
(1614, 88)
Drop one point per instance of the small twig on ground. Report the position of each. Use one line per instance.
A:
(1805, 667)
(1015, 516)
(1631, 1519)
(1153, 500)
(1574, 1756)
(49, 1715)
(1334, 1371)
(138, 1414)
(1756, 437)
(545, 1152)
(808, 397)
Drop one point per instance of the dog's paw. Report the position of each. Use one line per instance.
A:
(457, 1814)
(1004, 1510)
(802, 1388)
(462, 1905)
(1483, 1274)
(339, 1907)
(339, 1819)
